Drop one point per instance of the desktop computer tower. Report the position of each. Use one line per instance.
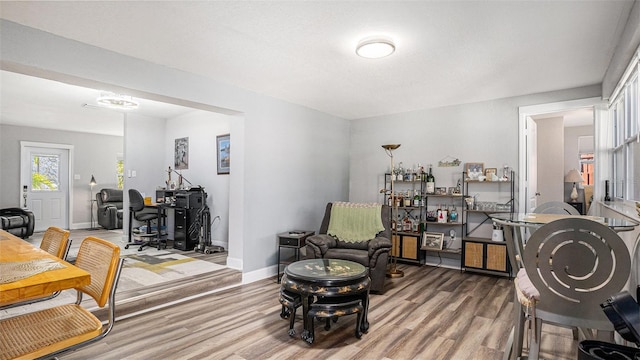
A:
(183, 238)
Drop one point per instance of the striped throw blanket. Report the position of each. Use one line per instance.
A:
(353, 222)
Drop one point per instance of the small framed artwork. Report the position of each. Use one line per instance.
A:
(432, 240)
(474, 170)
(181, 154)
(451, 190)
(489, 172)
(441, 191)
(224, 153)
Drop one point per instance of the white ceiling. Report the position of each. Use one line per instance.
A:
(448, 52)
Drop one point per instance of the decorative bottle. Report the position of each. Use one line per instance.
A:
(453, 215)
(416, 198)
(431, 182)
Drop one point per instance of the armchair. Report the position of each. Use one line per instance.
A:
(17, 221)
(109, 208)
(372, 254)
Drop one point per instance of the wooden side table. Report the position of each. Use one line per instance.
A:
(294, 240)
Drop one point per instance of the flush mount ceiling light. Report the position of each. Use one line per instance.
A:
(117, 101)
(375, 48)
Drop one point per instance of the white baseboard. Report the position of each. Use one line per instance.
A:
(259, 274)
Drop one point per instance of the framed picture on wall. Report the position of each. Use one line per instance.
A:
(224, 146)
(181, 155)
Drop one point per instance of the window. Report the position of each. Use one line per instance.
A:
(45, 172)
(626, 134)
(120, 171)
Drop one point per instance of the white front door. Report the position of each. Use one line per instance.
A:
(44, 177)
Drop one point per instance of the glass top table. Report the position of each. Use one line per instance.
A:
(326, 271)
(327, 278)
(615, 224)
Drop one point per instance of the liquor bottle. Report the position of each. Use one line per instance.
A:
(416, 198)
(407, 199)
(438, 213)
(406, 223)
(431, 182)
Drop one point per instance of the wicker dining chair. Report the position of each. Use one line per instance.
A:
(49, 332)
(56, 242)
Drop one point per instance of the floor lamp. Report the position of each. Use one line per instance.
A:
(392, 270)
(92, 183)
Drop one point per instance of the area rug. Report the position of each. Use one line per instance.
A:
(141, 269)
(158, 266)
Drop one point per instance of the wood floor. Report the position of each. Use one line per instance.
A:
(431, 313)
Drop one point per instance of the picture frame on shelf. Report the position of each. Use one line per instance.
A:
(441, 191)
(474, 170)
(451, 190)
(432, 240)
(223, 147)
(489, 172)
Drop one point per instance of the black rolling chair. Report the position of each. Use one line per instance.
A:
(136, 208)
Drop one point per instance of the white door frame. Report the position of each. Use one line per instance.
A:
(24, 144)
(526, 111)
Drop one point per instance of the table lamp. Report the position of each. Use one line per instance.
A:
(573, 176)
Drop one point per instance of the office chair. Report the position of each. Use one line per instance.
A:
(136, 207)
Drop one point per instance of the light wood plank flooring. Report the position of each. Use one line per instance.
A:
(431, 313)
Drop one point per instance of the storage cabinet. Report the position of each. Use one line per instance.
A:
(485, 256)
(183, 238)
(479, 252)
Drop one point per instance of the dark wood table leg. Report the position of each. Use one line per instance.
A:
(365, 317)
(305, 311)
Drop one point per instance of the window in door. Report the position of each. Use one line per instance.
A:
(45, 171)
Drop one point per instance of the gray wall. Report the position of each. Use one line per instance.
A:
(285, 152)
(94, 155)
(202, 127)
(484, 132)
(626, 47)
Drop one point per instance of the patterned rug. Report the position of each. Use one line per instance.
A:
(141, 269)
(158, 266)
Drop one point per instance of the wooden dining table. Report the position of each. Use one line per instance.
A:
(16, 250)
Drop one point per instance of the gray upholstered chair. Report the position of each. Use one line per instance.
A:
(556, 207)
(571, 266)
(372, 254)
(109, 208)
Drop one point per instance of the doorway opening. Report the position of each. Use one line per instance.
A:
(542, 172)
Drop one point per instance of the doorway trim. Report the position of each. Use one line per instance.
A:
(25, 144)
(526, 111)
